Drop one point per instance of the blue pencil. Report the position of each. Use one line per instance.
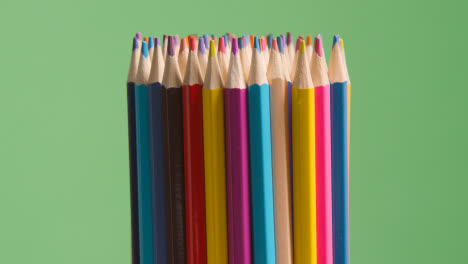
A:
(157, 157)
(145, 208)
(339, 152)
(261, 183)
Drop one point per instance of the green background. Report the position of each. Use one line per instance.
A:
(64, 184)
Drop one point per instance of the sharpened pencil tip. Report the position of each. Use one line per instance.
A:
(234, 48)
(341, 43)
(192, 44)
(145, 39)
(256, 46)
(318, 46)
(298, 43)
(150, 42)
(212, 49)
(279, 41)
(183, 45)
(170, 46)
(289, 38)
(138, 35)
(206, 41)
(201, 45)
(308, 40)
(274, 45)
(135, 43)
(302, 46)
(270, 40)
(157, 42)
(336, 39)
(264, 44)
(221, 45)
(144, 49)
(240, 43)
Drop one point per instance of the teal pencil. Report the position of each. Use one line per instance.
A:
(145, 208)
(261, 182)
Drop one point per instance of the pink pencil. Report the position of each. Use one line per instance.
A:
(318, 69)
(237, 161)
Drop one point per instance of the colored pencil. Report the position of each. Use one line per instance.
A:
(244, 58)
(177, 47)
(294, 65)
(143, 159)
(157, 154)
(164, 47)
(280, 138)
(215, 168)
(270, 38)
(309, 47)
(202, 56)
(290, 47)
(173, 138)
(339, 160)
(285, 56)
(237, 162)
(265, 52)
(150, 48)
(318, 69)
(206, 41)
(349, 96)
(138, 36)
(280, 155)
(303, 119)
(280, 42)
(183, 56)
(193, 156)
(261, 183)
(222, 58)
(135, 58)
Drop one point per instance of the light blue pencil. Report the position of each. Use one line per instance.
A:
(261, 183)
(145, 208)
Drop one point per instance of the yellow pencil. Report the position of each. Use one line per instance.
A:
(303, 131)
(215, 176)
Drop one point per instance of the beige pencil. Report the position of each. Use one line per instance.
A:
(280, 155)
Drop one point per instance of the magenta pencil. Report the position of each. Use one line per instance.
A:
(318, 69)
(237, 161)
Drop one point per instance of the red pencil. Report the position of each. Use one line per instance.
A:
(193, 155)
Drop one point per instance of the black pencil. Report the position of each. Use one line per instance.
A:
(132, 150)
(173, 135)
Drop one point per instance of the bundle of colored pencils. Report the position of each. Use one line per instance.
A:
(239, 150)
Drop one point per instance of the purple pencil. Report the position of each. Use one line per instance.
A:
(237, 161)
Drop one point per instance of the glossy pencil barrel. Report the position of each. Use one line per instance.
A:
(323, 176)
(215, 176)
(305, 250)
(237, 174)
(194, 174)
(291, 167)
(157, 165)
(261, 182)
(339, 144)
(132, 149)
(280, 136)
(145, 198)
(174, 173)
